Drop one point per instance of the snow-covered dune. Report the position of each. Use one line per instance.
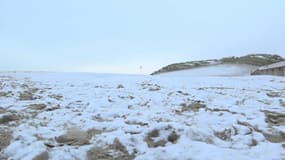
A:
(65, 116)
(215, 70)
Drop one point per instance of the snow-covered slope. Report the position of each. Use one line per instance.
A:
(64, 116)
(215, 70)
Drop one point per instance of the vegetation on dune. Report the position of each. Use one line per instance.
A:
(254, 59)
(251, 59)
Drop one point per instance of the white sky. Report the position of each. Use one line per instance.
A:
(120, 36)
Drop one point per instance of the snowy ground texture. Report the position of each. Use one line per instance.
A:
(64, 116)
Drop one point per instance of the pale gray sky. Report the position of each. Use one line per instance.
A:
(118, 36)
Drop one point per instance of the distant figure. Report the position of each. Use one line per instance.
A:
(141, 67)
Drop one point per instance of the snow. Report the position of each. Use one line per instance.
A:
(144, 103)
(259, 56)
(274, 65)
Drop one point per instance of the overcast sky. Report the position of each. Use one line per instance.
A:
(119, 36)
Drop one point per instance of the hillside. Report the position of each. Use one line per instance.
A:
(252, 60)
(76, 116)
(224, 70)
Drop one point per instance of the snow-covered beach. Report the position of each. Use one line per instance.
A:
(66, 116)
